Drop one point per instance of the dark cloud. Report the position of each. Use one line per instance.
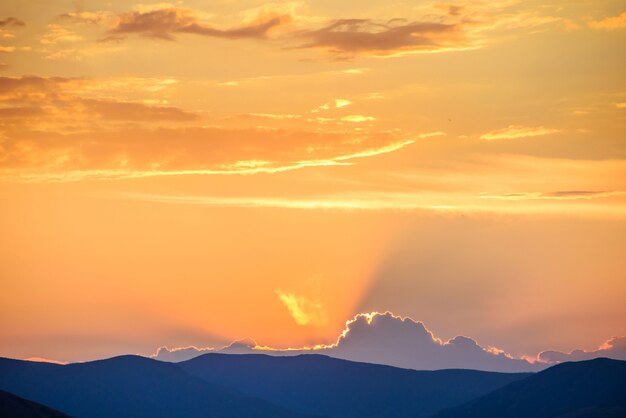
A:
(164, 23)
(115, 110)
(352, 36)
(11, 21)
(577, 194)
(615, 348)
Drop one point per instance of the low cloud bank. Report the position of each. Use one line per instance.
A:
(384, 338)
(614, 348)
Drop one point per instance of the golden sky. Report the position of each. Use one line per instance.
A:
(195, 172)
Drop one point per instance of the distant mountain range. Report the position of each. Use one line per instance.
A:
(219, 385)
(324, 386)
(129, 386)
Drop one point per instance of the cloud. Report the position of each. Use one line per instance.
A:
(305, 311)
(358, 118)
(138, 153)
(343, 201)
(11, 21)
(44, 360)
(58, 98)
(609, 23)
(13, 48)
(384, 338)
(163, 23)
(349, 37)
(87, 17)
(614, 348)
(71, 129)
(243, 346)
(180, 353)
(517, 131)
(58, 34)
(558, 195)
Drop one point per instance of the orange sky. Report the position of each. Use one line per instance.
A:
(195, 172)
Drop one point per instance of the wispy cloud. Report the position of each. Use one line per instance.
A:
(558, 195)
(609, 23)
(67, 129)
(517, 131)
(304, 310)
(165, 22)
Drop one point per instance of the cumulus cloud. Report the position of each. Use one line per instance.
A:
(165, 22)
(384, 338)
(397, 36)
(614, 348)
(517, 131)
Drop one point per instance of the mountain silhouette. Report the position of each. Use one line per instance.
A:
(12, 406)
(586, 389)
(330, 387)
(129, 386)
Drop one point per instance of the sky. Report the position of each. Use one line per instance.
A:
(194, 172)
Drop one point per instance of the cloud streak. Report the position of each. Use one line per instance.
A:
(164, 23)
(395, 37)
(558, 195)
(65, 129)
(516, 132)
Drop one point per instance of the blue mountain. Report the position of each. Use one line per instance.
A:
(330, 387)
(586, 389)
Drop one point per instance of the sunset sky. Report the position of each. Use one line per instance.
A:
(196, 172)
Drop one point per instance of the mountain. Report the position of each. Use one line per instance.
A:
(586, 389)
(12, 406)
(129, 386)
(330, 387)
